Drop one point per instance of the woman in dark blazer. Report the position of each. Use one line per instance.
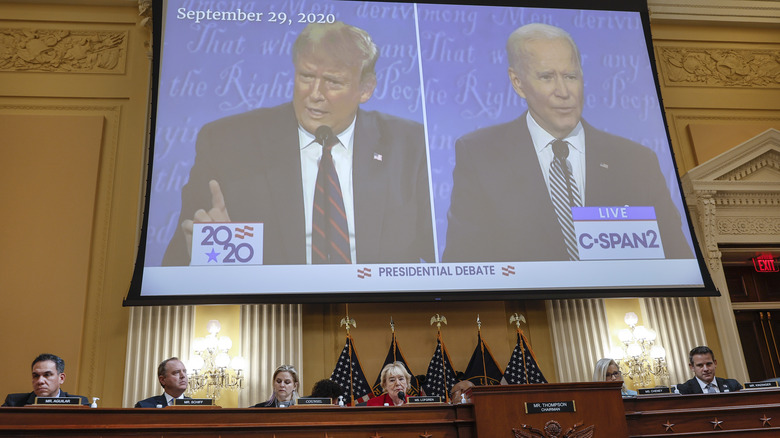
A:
(285, 384)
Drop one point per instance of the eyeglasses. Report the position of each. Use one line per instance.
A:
(615, 374)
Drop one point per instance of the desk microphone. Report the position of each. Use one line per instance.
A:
(401, 396)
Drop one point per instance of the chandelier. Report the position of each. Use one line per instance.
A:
(211, 368)
(640, 359)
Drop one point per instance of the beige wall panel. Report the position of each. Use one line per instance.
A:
(710, 140)
(48, 171)
(117, 88)
(716, 33)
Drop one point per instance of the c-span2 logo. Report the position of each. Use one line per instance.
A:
(617, 233)
(227, 244)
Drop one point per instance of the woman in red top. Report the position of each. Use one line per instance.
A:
(395, 381)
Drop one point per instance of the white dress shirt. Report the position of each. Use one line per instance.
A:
(704, 384)
(311, 153)
(543, 145)
(169, 398)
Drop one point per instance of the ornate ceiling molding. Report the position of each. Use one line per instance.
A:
(737, 194)
(748, 226)
(739, 167)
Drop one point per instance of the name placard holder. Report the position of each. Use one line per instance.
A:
(58, 401)
(760, 385)
(314, 401)
(547, 407)
(418, 399)
(651, 391)
(193, 402)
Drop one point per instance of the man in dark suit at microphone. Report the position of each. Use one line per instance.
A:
(514, 184)
(263, 166)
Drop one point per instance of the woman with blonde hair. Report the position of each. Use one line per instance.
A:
(285, 392)
(607, 370)
(395, 382)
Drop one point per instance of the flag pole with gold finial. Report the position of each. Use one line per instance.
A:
(515, 319)
(346, 321)
(438, 320)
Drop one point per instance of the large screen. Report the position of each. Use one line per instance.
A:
(358, 150)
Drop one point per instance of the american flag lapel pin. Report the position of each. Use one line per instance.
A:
(377, 156)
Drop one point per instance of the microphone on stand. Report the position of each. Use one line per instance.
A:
(401, 396)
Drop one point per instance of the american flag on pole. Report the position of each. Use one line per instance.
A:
(522, 367)
(440, 377)
(482, 368)
(349, 374)
(395, 355)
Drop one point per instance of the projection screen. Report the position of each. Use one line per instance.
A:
(445, 179)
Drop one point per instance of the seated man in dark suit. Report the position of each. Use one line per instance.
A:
(173, 378)
(702, 362)
(48, 374)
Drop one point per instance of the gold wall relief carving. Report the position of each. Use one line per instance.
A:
(706, 210)
(699, 66)
(145, 12)
(62, 50)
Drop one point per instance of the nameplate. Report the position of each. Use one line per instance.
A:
(547, 407)
(760, 385)
(58, 401)
(650, 391)
(193, 402)
(423, 399)
(617, 233)
(227, 244)
(314, 401)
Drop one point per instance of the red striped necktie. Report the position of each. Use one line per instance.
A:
(330, 234)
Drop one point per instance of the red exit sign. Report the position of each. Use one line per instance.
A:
(765, 264)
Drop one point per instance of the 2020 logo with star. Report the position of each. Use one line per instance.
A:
(227, 244)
